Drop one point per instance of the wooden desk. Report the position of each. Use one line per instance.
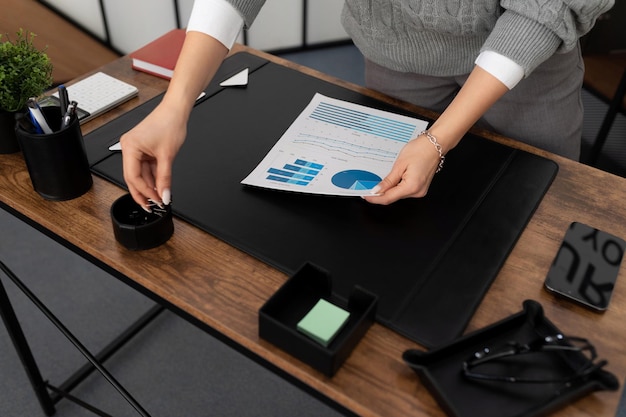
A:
(221, 288)
(70, 59)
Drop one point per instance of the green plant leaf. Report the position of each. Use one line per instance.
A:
(25, 71)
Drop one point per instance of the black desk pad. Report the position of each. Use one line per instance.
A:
(429, 260)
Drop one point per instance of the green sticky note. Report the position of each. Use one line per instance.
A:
(323, 322)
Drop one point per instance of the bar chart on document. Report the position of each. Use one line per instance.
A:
(335, 147)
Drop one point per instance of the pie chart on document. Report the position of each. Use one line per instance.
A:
(355, 179)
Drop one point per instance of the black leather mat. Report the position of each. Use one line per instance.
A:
(429, 260)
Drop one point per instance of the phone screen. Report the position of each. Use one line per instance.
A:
(586, 266)
(53, 101)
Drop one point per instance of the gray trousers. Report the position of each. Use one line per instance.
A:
(544, 110)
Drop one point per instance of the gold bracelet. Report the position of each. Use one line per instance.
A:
(432, 139)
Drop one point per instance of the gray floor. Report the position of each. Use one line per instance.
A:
(345, 62)
(172, 368)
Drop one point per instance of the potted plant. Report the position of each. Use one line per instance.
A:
(25, 72)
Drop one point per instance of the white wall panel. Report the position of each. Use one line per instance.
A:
(87, 13)
(323, 22)
(184, 11)
(134, 23)
(278, 26)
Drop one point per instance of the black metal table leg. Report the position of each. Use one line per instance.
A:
(614, 105)
(41, 387)
(23, 350)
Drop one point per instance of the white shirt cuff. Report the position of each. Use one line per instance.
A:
(504, 69)
(216, 18)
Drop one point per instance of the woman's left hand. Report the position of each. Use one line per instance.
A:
(410, 175)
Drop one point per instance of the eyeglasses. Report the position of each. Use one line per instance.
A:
(491, 365)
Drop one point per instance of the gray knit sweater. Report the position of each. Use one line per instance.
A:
(444, 37)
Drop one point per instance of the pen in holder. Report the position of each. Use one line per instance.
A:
(57, 162)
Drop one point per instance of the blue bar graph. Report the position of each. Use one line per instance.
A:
(300, 172)
(304, 163)
(287, 180)
(363, 122)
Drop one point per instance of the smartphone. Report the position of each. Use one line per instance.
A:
(586, 266)
(53, 101)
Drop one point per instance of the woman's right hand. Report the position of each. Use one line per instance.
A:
(149, 149)
(148, 152)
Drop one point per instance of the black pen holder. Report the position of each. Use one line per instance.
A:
(57, 162)
(8, 141)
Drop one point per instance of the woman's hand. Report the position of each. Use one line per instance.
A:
(150, 147)
(411, 174)
(418, 161)
(149, 150)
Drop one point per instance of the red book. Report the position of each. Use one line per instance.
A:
(159, 56)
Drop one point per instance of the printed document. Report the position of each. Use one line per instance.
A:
(335, 147)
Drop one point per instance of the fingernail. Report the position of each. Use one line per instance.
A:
(151, 202)
(375, 190)
(166, 197)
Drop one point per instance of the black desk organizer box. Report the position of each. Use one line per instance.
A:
(429, 261)
(440, 370)
(280, 315)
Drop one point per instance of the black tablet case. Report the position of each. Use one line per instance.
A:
(429, 260)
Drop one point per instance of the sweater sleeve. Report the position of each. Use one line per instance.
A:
(531, 31)
(249, 9)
